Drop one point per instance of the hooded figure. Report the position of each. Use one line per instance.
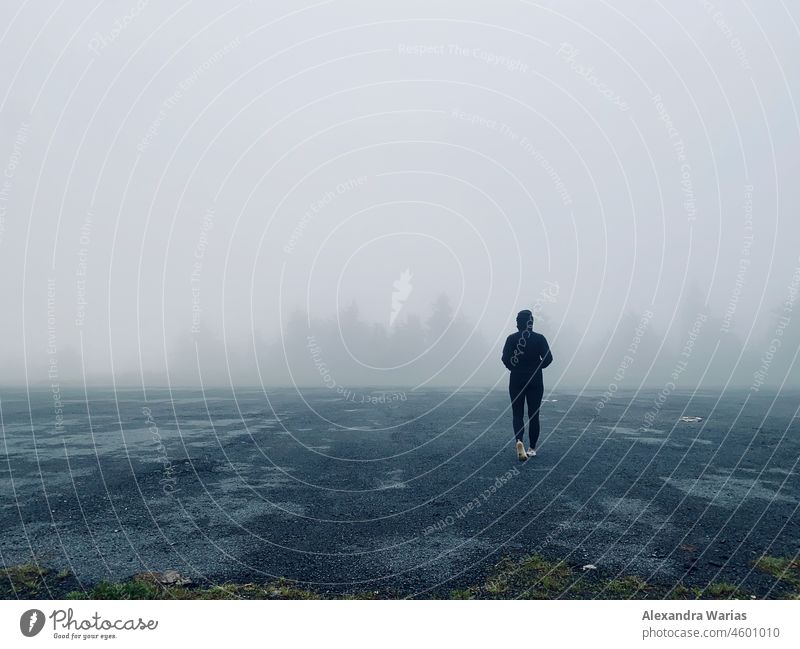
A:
(525, 354)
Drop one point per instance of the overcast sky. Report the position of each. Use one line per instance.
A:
(178, 173)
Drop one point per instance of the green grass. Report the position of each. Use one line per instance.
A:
(283, 589)
(535, 577)
(531, 576)
(784, 570)
(135, 589)
(142, 587)
(527, 577)
(366, 594)
(724, 590)
(22, 580)
(628, 587)
(716, 590)
(684, 592)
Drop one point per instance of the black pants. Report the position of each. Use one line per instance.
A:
(526, 388)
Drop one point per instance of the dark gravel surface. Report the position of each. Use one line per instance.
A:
(350, 496)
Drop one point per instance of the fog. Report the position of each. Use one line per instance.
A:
(365, 194)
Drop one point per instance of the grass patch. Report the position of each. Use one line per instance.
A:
(716, 590)
(23, 580)
(142, 587)
(683, 592)
(367, 594)
(535, 577)
(136, 589)
(787, 571)
(627, 587)
(724, 590)
(531, 576)
(283, 589)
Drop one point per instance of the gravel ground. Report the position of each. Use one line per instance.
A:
(417, 494)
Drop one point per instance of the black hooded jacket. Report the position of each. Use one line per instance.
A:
(526, 352)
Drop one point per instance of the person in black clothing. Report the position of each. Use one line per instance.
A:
(525, 354)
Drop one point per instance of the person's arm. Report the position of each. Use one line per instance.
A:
(508, 350)
(545, 354)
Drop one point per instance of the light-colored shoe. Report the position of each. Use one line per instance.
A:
(521, 454)
(531, 452)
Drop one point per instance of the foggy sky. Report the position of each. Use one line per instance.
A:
(218, 183)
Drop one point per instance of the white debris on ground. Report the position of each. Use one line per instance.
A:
(589, 566)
